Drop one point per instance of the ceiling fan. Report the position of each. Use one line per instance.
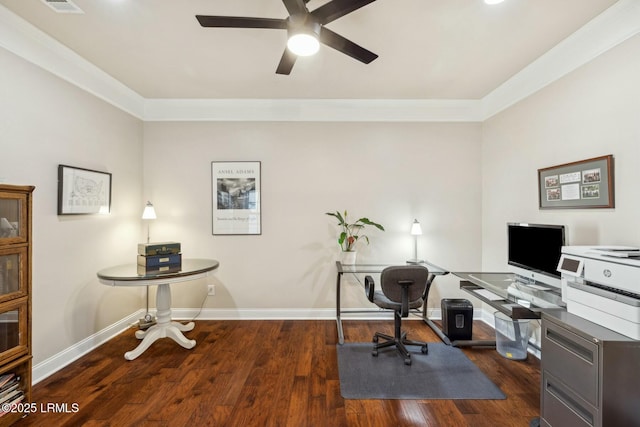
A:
(301, 22)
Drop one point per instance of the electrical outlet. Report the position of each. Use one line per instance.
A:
(211, 289)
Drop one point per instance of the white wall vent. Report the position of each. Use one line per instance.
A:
(63, 6)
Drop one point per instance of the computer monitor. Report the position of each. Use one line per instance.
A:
(534, 251)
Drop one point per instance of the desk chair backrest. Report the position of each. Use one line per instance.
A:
(409, 281)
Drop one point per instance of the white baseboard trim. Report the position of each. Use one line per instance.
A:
(303, 314)
(58, 361)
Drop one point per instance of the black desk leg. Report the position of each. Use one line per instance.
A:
(338, 310)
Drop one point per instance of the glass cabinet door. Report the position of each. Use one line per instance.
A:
(13, 270)
(13, 329)
(13, 221)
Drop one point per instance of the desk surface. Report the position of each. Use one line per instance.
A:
(377, 268)
(503, 292)
(497, 283)
(130, 273)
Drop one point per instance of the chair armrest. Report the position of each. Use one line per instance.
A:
(369, 287)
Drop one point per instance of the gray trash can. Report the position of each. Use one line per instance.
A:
(512, 336)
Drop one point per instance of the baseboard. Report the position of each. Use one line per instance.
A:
(304, 314)
(58, 361)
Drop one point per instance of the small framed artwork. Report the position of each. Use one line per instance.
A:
(83, 191)
(235, 198)
(583, 184)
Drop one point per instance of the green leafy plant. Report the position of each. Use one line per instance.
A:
(351, 231)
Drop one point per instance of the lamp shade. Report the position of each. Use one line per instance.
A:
(149, 212)
(416, 230)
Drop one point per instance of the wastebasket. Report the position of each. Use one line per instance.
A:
(512, 336)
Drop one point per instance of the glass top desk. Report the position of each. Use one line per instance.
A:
(512, 297)
(434, 271)
(503, 292)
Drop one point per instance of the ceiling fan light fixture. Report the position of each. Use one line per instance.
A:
(303, 44)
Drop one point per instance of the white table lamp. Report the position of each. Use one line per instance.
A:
(149, 213)
(416, 231)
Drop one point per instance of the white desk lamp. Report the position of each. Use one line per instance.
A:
(149, 213)
(416, 231)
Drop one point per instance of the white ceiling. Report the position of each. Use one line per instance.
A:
(428, 49)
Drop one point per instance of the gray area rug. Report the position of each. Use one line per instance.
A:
(444, 373)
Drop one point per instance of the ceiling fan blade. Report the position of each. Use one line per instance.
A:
(345, 46)
(337, 8)
(295, 6)
(241, 22)
(286, 62)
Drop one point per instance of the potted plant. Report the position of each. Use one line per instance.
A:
(350, 234)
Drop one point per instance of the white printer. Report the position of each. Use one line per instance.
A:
(602, 285)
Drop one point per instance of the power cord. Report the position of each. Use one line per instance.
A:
(200, 310)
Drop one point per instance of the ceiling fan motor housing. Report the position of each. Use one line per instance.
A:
(303, 24)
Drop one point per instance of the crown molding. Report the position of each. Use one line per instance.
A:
(615, 25)
(26, 41)
(618, 23)
(313, 110)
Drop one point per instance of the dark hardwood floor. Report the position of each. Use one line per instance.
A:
(264, 373)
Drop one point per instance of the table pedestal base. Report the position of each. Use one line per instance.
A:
(164, 328)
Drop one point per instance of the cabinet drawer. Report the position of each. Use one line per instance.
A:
(562, 407)
(572, 359)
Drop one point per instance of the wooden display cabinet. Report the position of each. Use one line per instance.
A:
(15, 293)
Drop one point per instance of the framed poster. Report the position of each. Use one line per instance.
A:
(582, 184)
(83, 191)
(235, 198)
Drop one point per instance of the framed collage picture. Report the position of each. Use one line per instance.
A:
(582, 184)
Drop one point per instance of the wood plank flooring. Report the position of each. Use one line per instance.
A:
(264, 373)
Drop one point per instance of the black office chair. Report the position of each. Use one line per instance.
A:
(403, 289)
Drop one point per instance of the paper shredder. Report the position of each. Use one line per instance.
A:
(457, 318)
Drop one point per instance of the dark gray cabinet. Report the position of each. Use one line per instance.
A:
(590, 374)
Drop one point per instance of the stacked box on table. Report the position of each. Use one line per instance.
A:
(160, 260)
(159, 248)
(162, 257)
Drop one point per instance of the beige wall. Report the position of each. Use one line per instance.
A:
(45, 122)
(463, 181)
(390, 172)
(591, 112)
